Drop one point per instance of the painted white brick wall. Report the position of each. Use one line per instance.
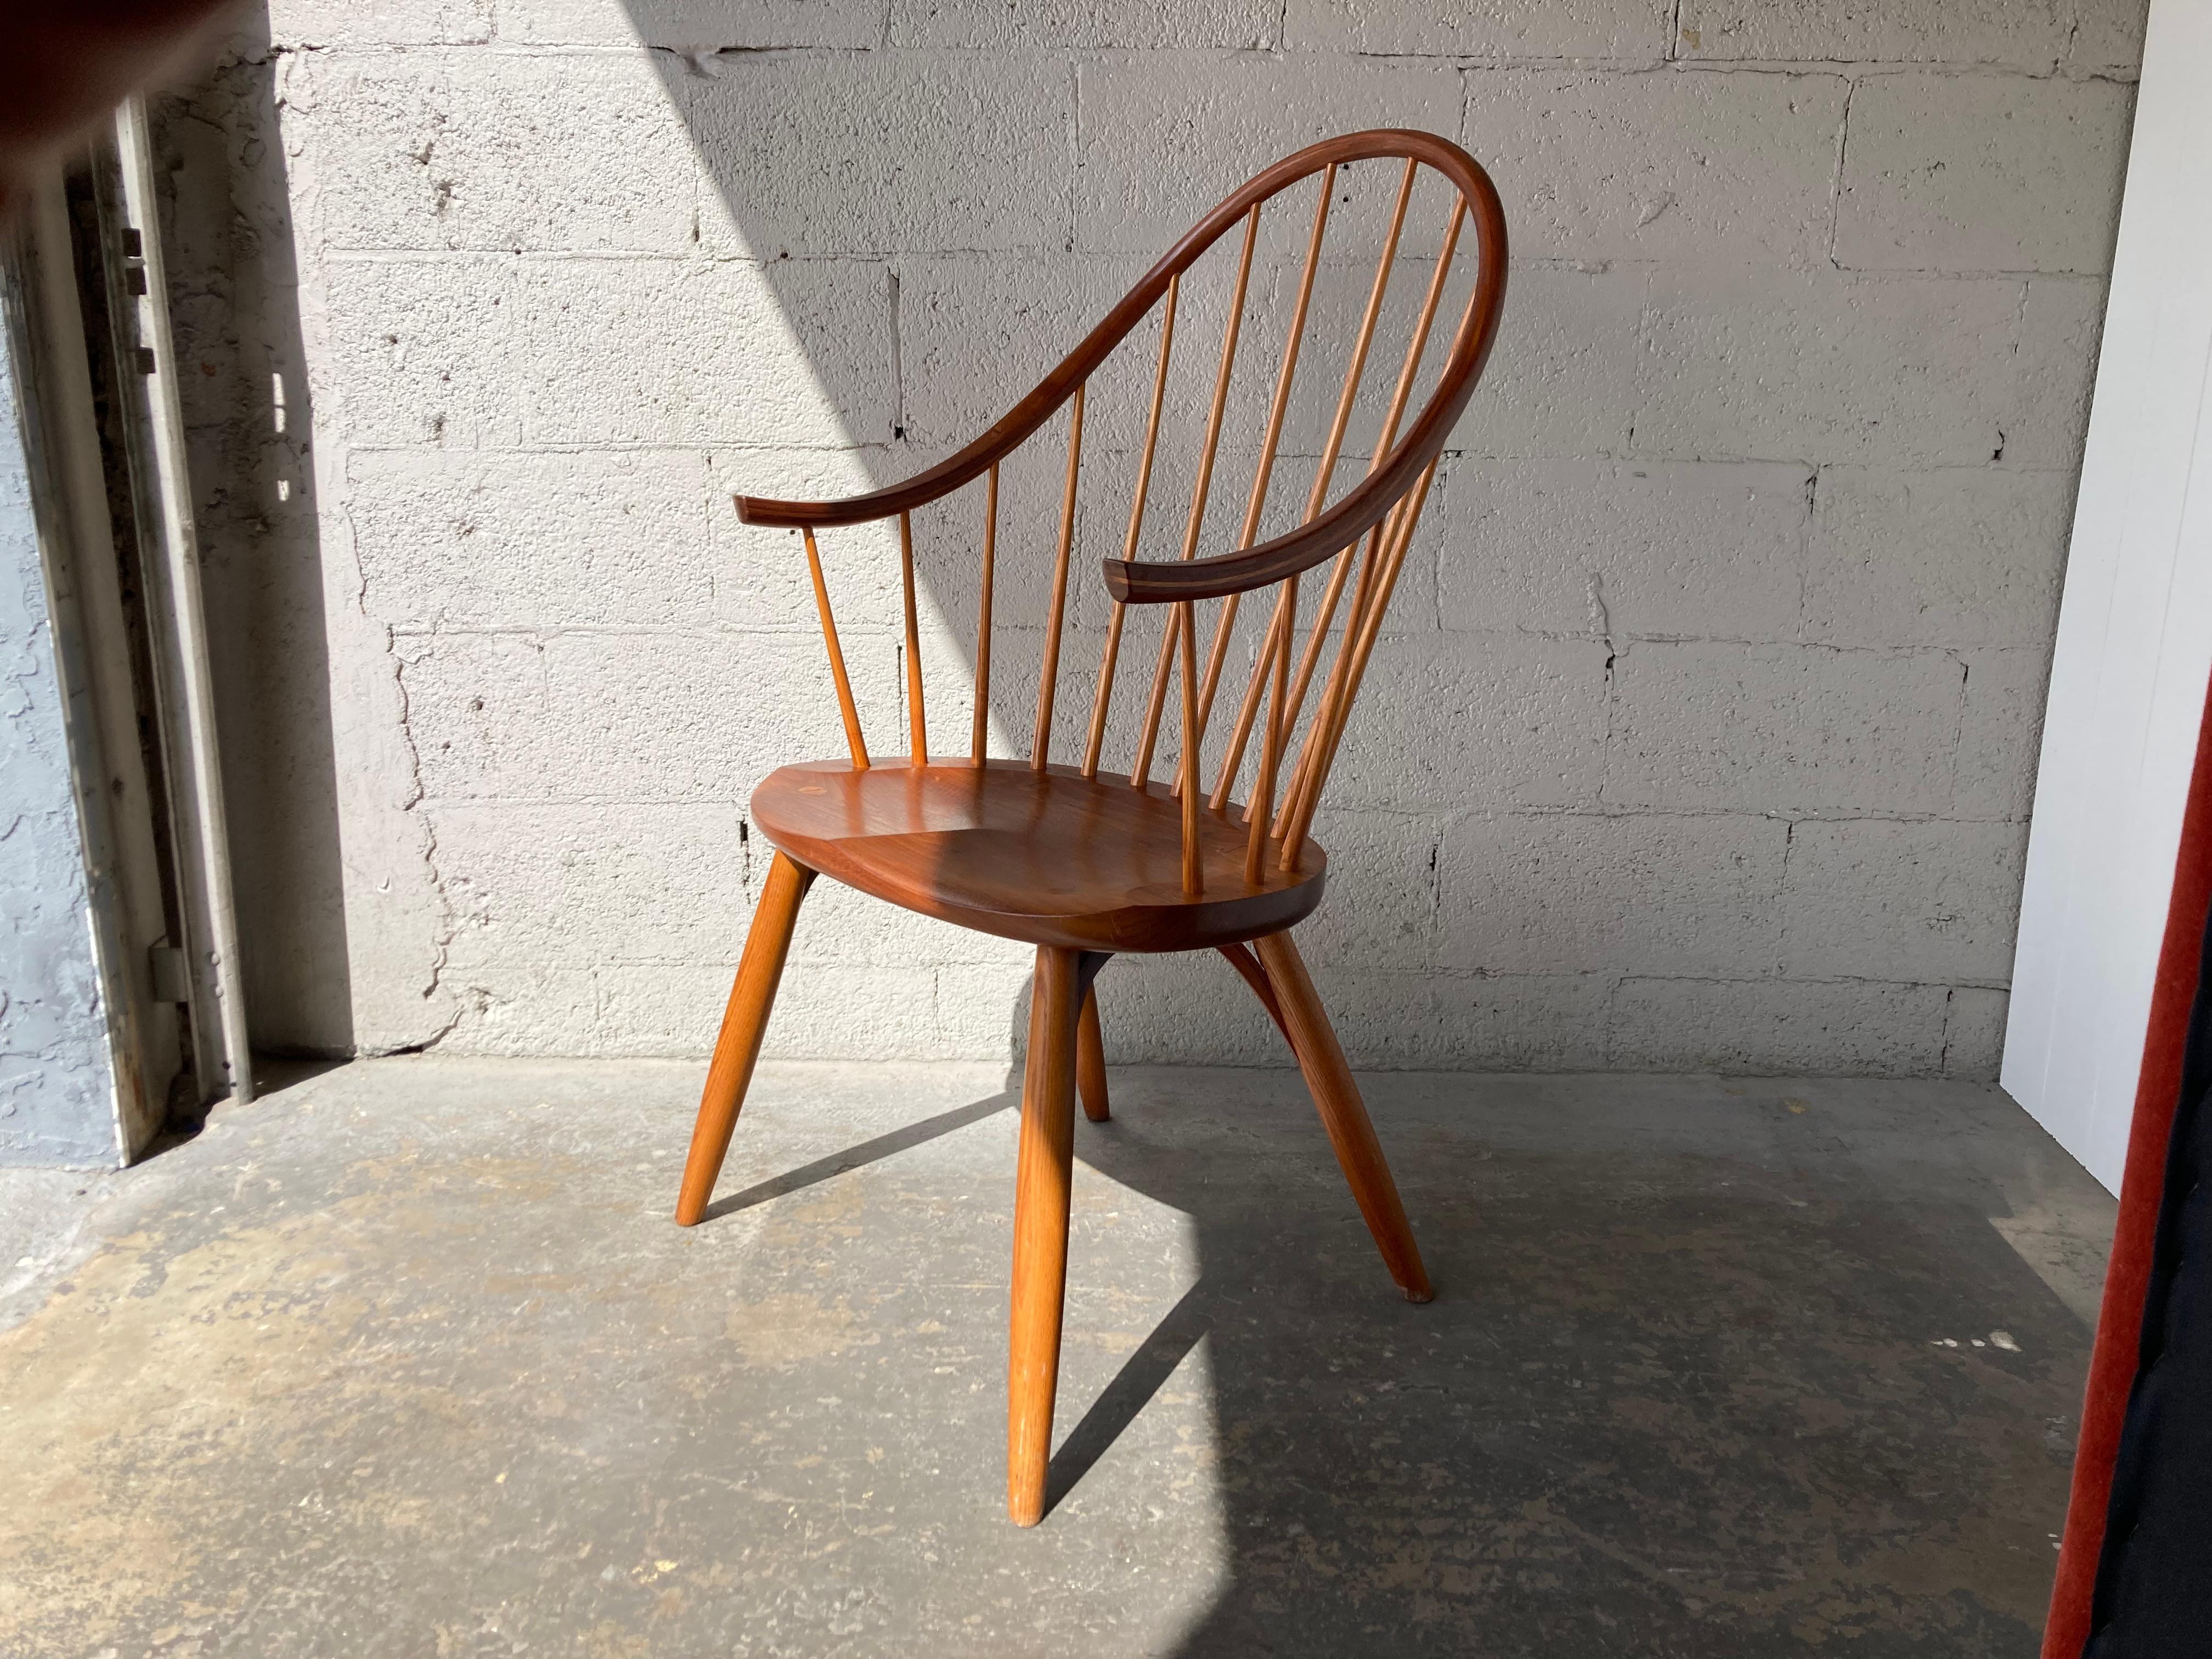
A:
(1703, 732)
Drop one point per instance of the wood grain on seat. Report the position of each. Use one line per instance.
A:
(1049, 857)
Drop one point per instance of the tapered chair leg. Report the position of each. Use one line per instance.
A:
(1041, 1194)
(1329, 1079)
(743, 1023)
(1091, 1059)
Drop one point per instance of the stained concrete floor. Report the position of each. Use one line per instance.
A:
(408, 1359)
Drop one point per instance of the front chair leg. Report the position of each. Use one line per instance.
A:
(1329, 1079)
(743, 1023)
(1041, 1194)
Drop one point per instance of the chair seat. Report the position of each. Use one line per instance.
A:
(1049, 857)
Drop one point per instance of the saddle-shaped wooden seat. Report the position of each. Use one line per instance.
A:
(1085, 862)
(1049, 857)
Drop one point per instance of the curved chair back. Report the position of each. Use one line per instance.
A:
(1366, 529)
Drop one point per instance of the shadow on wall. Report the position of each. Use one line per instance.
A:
(235, 299)
(892, 358)
(1665, 759)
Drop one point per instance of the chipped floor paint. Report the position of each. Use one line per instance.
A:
(407, 1358)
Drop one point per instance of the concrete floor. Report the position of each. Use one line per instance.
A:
(408, 1359)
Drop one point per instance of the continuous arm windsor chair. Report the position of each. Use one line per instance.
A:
(1083, 863)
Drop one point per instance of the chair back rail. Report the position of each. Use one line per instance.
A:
(1366, 532)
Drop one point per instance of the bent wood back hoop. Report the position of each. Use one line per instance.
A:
(1366, 530)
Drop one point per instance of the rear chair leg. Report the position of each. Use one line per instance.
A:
(1350, 1132)
(744, 1023)
(1091, 1059)
(1242, 959)
(1041, 1194)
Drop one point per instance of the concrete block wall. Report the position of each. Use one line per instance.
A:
(1704, 733)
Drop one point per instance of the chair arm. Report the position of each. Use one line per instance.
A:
(920, 490)
(1139, 582)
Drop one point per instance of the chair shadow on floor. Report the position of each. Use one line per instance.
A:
(867, 1152)
(1691, 1400)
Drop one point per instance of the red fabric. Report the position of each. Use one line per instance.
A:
(2119, 1321)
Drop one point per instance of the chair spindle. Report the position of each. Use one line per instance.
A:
(1318, 496)
(1304, 796)
(1138, 498)
(1193, 865)
(981, 735)
(1263, 474)
(1271, 742)
(1364, 594)
(1326, 470)
(1408, 515)
(1201, 487)
(1041, 746)
(853, 741)
(917, 725)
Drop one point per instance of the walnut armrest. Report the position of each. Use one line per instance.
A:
(888, 503)
(1135, 581)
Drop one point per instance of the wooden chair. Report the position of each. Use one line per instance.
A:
(1083, 863)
